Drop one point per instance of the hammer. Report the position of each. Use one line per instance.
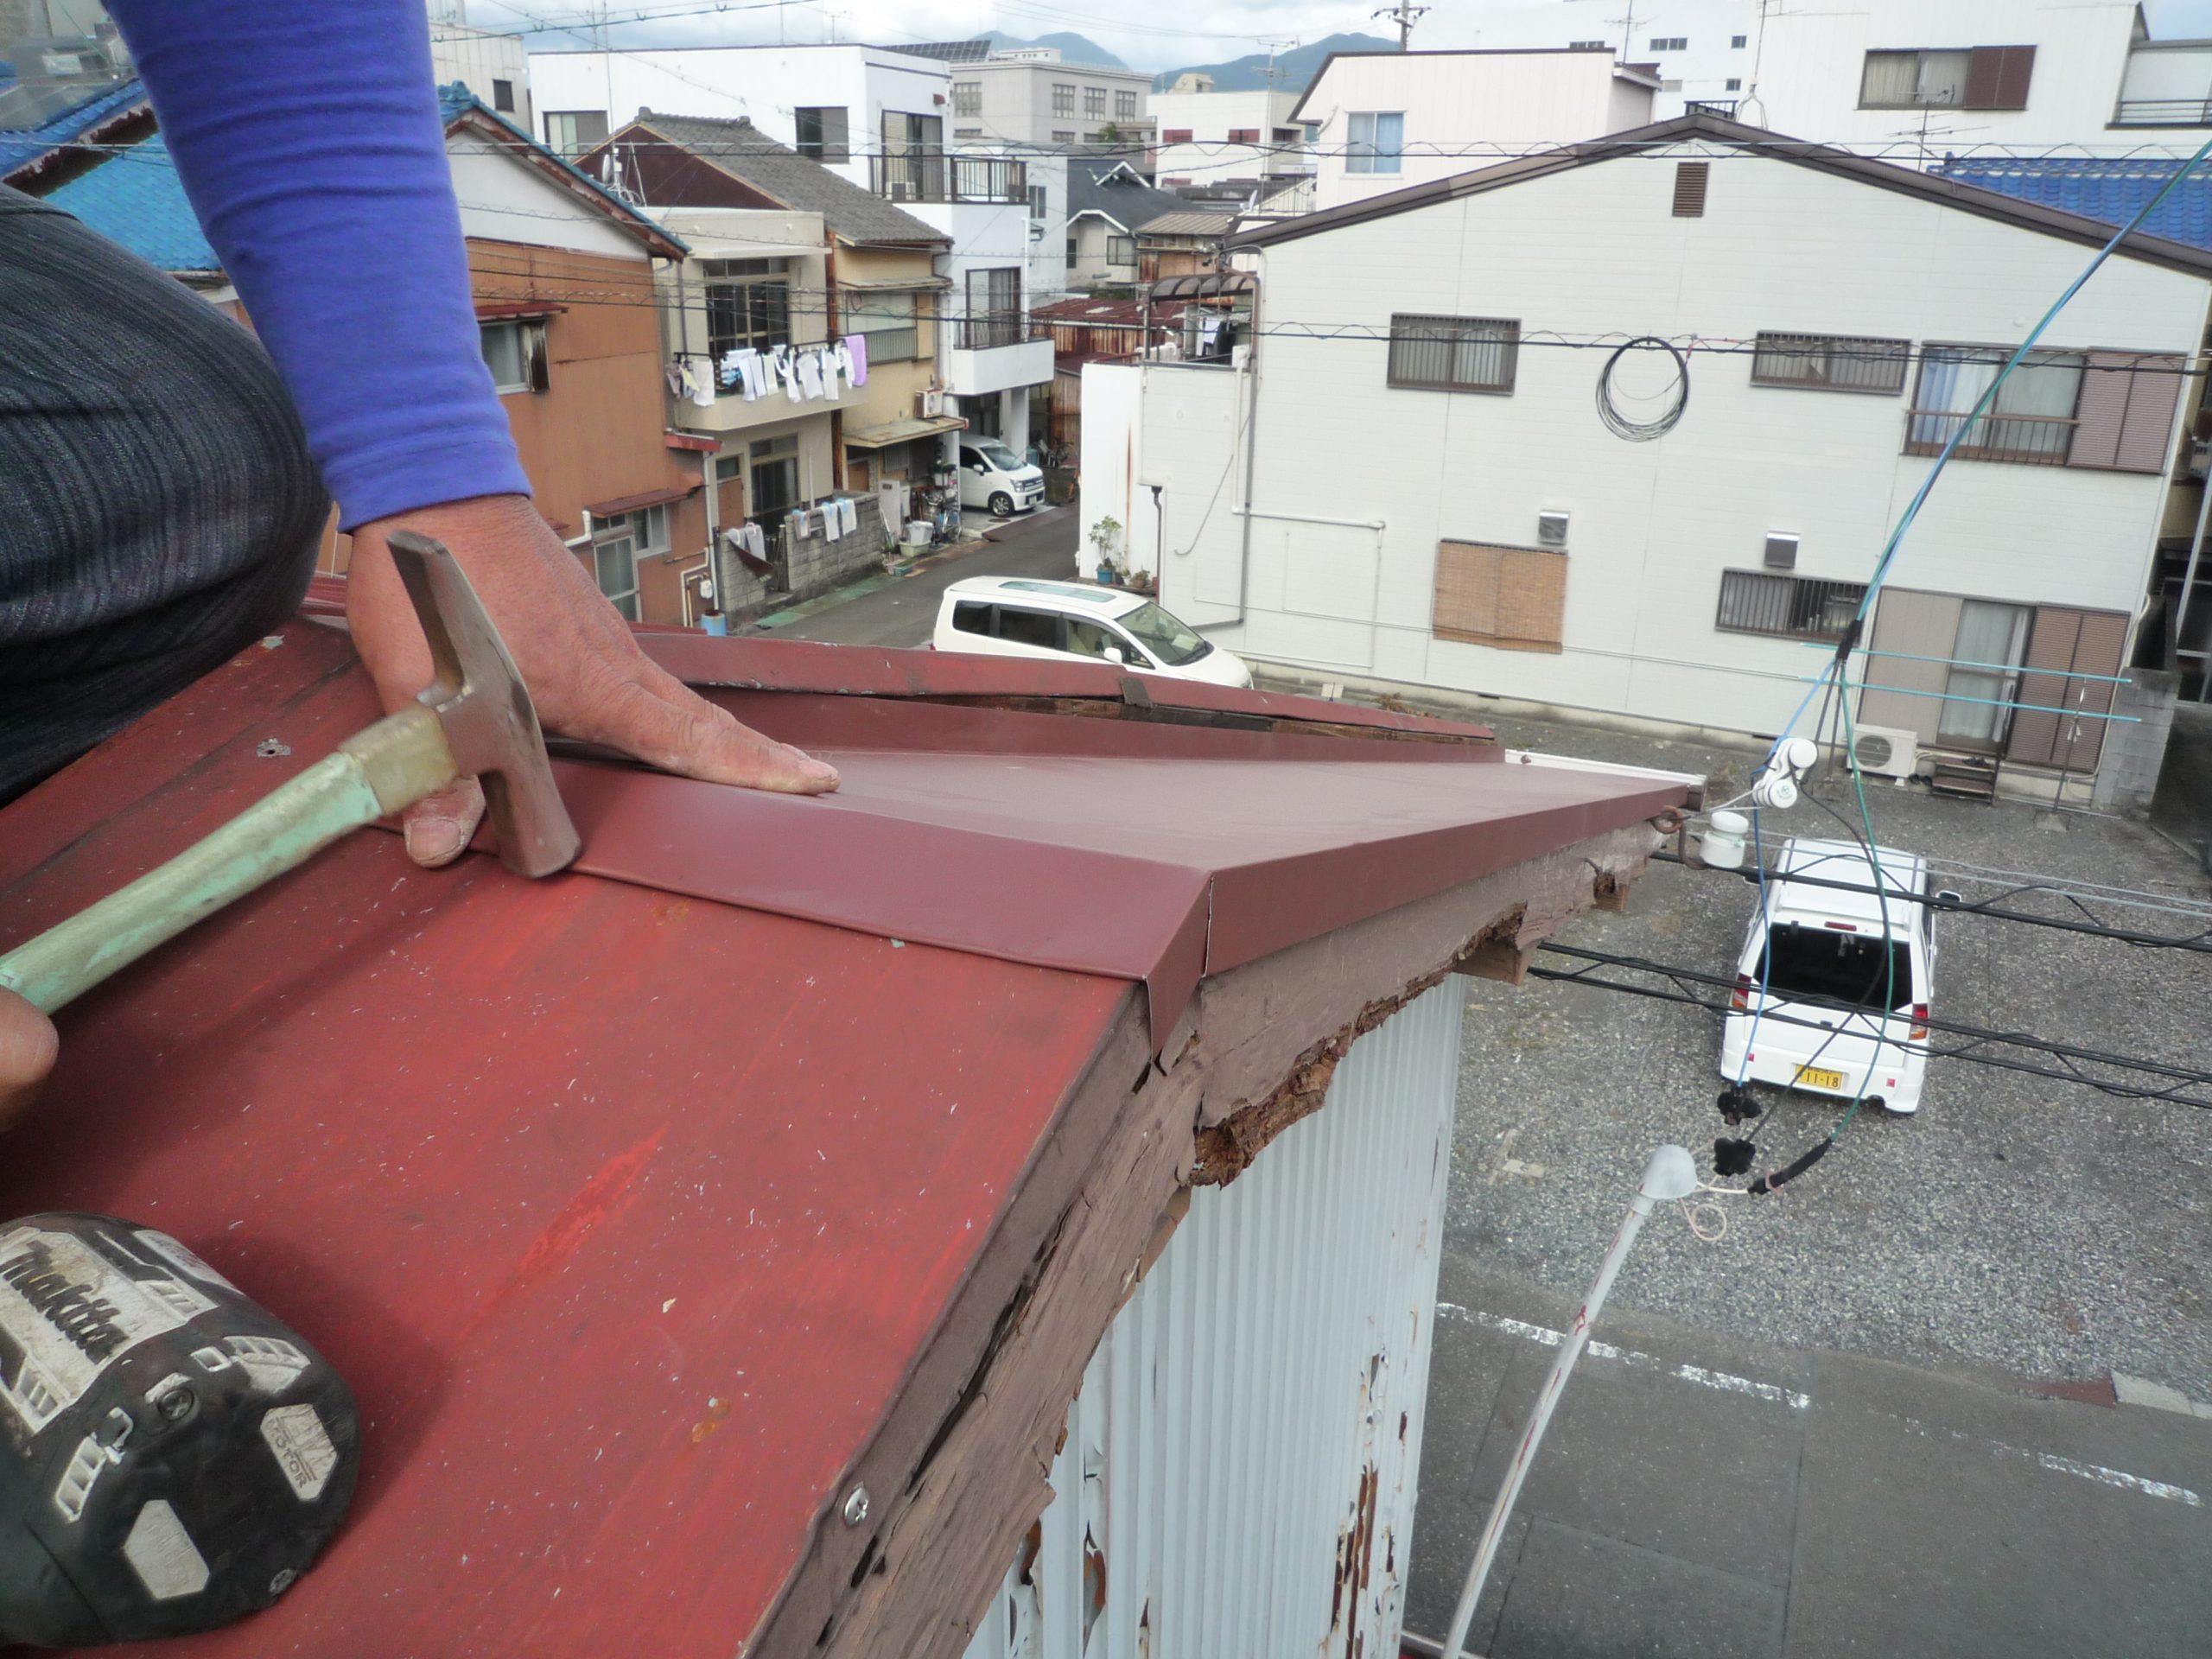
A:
(475, 718)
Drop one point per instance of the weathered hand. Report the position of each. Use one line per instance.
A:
(583, 669)
(28, 1050)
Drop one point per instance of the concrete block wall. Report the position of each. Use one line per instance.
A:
(817, 564)
(2134, 752)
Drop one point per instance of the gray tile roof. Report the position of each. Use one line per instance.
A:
(746, 153)
(1108, 186)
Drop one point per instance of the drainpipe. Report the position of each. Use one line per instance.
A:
(2189, 576)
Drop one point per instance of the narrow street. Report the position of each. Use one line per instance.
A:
(901, 614)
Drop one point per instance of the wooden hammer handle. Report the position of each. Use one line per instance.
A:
(384, 769)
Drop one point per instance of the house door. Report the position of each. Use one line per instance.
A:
(2064, 692)
(614, 563)
(1984, 678)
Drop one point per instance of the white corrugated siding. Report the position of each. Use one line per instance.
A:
(1239, 1472)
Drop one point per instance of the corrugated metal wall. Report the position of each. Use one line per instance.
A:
(1239, 1472)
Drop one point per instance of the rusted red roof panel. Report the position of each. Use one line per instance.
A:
(627, 1200)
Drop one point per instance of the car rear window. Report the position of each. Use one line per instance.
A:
(1822, 962)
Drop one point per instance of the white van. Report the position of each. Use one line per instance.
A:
(992, 477)
(1062, 621)
(1835, 946)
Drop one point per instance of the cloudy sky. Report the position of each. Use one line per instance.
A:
(1146, 34)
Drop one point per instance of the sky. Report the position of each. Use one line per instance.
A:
(1150, 35)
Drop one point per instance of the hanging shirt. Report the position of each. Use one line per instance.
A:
(857, 351)
(809, 365)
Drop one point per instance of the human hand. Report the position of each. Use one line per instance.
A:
(585, 672)
(29, 1048)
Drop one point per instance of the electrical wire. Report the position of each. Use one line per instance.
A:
(1643, 431)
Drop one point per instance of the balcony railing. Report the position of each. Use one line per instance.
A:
(2162, 112)
(948, 175)
(985, 333)
(2027, 440)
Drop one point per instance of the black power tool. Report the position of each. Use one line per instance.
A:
(171, 1456)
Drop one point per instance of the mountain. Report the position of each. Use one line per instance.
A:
(1294, 70)
(1074, 49)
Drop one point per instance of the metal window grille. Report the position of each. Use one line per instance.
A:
(1453, 354)
(1800, 607)
(1831, 363)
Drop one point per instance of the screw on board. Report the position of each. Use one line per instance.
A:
(272, 748)
(283, 1580)
(855, 1510)
(176, 1405)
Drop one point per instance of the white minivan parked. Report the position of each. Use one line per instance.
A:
(1063, 622)
(1847, 968)
(995, 479)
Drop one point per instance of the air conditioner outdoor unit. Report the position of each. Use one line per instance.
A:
(1551, 529)
(1887, 750)
(929, 404)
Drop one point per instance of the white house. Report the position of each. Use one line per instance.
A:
(877, 118)
(1244, 138)
(1035, 95)
(1919, 78)
(494, 67)
(1379, 121)
(1702, 51)
(1410, 478)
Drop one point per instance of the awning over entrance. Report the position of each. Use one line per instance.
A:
(893, 432)
(619, 504)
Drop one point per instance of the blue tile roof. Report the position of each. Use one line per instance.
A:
(136, 199)
(22, 146)
(2110, 189)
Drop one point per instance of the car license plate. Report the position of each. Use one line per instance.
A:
(1815, 1078)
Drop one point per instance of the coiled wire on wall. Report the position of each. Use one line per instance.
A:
(1643, 431)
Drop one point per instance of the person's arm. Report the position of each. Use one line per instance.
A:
(308, 138)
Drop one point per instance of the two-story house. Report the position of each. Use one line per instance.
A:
(563, 274)
(876, 118)
(1682, 530)
(1246, 140)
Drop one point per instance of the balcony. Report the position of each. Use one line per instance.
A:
(2162, 112)
(943, 176)
(2024, 440)
(2166, 83)
(732, 412)
(985, 355)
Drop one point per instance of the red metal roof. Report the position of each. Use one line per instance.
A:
(625, 1200)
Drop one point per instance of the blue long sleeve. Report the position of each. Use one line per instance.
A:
(308, 138)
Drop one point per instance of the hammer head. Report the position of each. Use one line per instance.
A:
(486, 712)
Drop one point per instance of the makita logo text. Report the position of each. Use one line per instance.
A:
(85, 1319)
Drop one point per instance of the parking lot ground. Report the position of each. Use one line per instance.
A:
(1917, 1288)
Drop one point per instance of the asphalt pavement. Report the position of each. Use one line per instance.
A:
(902, 611)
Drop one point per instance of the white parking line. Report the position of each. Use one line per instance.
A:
(1729, 1382)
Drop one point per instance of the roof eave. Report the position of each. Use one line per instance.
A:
(657, 240)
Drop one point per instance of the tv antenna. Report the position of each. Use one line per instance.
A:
(1269, 74)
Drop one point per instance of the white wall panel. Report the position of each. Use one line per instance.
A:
(1239, 1468)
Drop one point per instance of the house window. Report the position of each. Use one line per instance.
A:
(615, 567)
(1453, 354)
(748, 304)
(1125, 106)
(1063, 137)
(1670, 85)
(515, 352)
(1121, 250)
(503, 97)
(1690, 180)
(1670, 43)
(728, 468)
(1093, 101)
(994, 308)
(571, 132)
(1377, 140)
(1243, 135)
(1738, 42)
(1072, 253)
(1734, 85)
(1831, 363)
(1063, 98)
(2031, 422)
(1510, 597)
(1976, 77)
(891, 321)
(1794, 608)
(967, 132)
(1037, 209)
(1174, 184)
(967, 98)
(1176, 136)
(1589, 46)
(823, 134)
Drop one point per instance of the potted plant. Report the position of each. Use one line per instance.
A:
(1106, 537)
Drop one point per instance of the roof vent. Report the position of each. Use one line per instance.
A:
(1689, 189)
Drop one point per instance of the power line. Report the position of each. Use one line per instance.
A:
(1977, 1038)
